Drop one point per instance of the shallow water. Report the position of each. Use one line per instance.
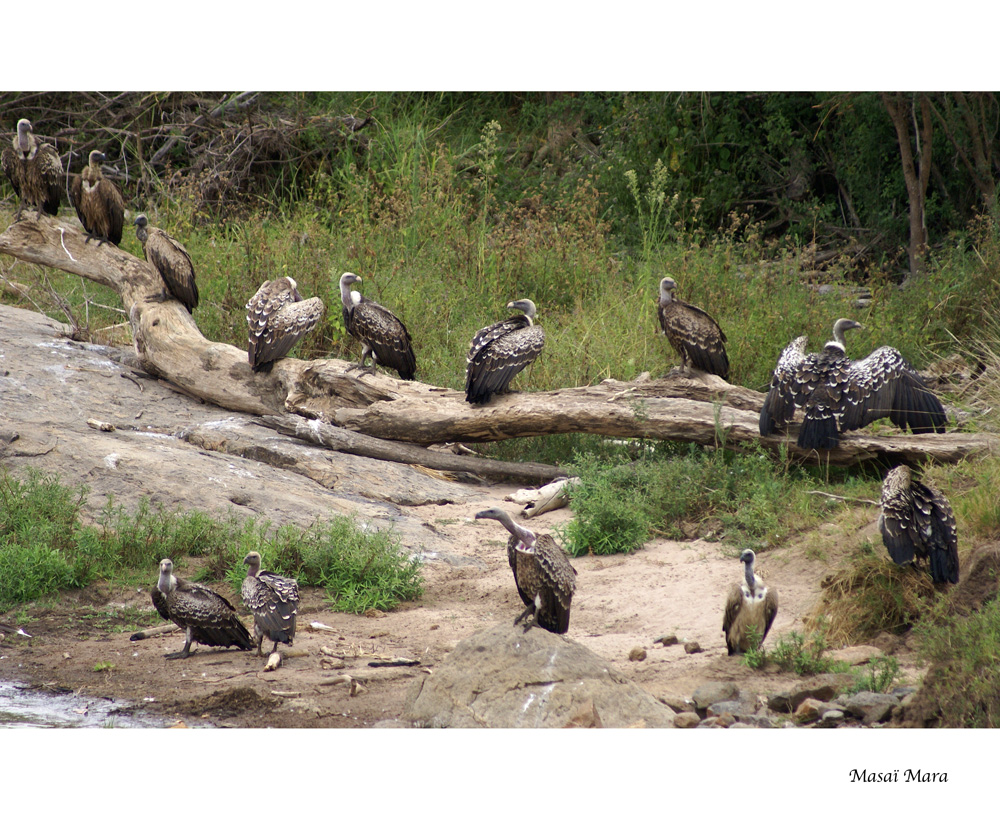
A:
(22, 707)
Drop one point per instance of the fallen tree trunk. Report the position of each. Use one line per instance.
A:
(169, 345)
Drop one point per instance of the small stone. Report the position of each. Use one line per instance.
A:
(686, 720)
(725, 720)
(808, 711)
(667, 640)
(724, 707)
(878, 714)
(715, 692)
(678, 704)
(637, 654)
(830, 719)
(692, 647)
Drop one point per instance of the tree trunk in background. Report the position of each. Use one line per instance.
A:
(905, 109)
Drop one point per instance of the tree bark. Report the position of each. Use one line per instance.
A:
(169, 345)
(916, 166)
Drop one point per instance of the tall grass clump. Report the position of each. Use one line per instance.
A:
(872, 595)
(38, 530)
(746, 498)
(45, 548)
(360, 568)
(962, 687)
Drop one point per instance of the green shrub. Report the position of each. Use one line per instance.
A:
(963, 683)
(360, 568)
(803, 655)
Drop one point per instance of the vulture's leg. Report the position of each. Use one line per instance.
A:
(186, 651)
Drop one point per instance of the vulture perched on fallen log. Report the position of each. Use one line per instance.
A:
(917, 524)
(205, 616)
(278, 317)
(501, 351)
(544, 576)
(273, 600)
(171, 260)
(839, 394)
(750, 608)
(695, 335)
(98, 202)
(382, 335)
(35, 171)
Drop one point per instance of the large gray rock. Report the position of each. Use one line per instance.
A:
(506, 677)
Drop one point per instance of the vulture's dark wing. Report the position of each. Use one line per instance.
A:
(884, 385)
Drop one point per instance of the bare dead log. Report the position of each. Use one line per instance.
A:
(169, 345)
(359, 444)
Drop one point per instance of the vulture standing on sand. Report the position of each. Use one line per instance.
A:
(751, 606)
(98, 203)
(917, 523)
(278, 317)
(544, 576)
(694, 334)
(206, 616)
(273, 600)
(382, 335)
(839, 394)
(171, 259)
(35, 171)
(501, 351)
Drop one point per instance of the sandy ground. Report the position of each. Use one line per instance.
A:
(622, 602)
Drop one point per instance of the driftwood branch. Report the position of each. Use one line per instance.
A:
(359, 444)
(169, 345)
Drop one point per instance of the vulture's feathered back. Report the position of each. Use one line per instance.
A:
(99, 203)
(917, 524)
(501, 351)
(839, 394)
(273, 600)
(382, 335)
(695, 335)
(171, 260)
(35, 171)
(278, 317)
(750, 608)
(205, 616)
(543, 574)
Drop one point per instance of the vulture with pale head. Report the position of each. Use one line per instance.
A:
(278, 317)
(34, 169)
(839, 394)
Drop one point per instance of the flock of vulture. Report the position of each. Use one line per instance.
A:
(834, 392)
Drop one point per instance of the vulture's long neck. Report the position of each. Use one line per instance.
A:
(166, 583)
(750, 578)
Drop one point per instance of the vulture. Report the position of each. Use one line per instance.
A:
(544, 577)
(278, 317)
(35, 171)
(171, 260)
(206, 616)
(98, 203)
(839, 394)
(750, 606)
(274, 602)
(382, 335)
(917, 523)
(501, 351)
(695, 335)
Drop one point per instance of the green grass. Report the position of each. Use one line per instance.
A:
(45, 548)
(747, 499)
(963, 682)
(360, 568)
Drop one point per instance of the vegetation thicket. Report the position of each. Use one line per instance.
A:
(46, 547)
(771, 211)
